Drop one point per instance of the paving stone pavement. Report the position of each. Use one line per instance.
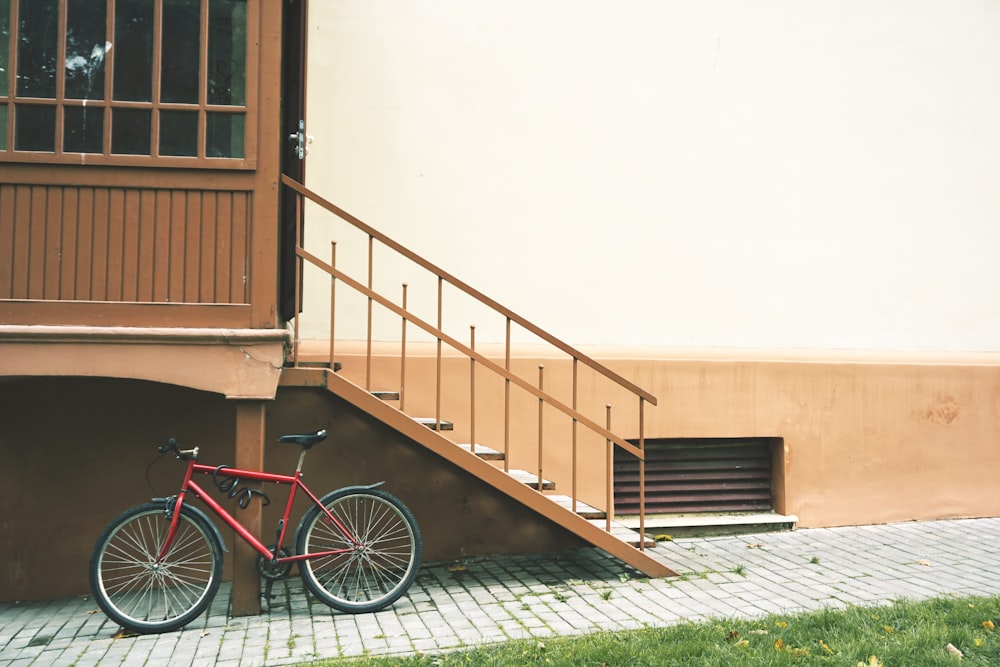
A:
(486, 600)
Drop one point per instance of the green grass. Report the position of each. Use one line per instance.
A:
(905, 634)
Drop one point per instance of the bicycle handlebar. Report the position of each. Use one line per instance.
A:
(182, 454)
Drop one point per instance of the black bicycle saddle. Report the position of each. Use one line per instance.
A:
(307, 440)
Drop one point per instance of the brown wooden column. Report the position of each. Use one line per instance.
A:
(249, 455)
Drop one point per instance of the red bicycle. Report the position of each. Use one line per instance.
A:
(157, 566)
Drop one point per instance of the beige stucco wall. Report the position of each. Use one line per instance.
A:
(762, 173)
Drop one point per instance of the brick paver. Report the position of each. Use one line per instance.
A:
(494, 599)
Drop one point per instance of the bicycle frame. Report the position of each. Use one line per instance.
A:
(293, 481)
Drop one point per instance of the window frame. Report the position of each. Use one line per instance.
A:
(248, 110)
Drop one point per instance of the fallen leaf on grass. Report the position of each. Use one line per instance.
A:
(950, 648)
(989, 625)
(873, 661)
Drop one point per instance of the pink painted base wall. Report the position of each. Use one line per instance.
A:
(867, 437)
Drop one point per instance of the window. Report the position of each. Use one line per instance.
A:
(125, 81)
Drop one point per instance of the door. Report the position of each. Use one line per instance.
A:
(293, 117)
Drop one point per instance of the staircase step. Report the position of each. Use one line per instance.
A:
(531, 479)
(582, 508)
(484, 452)
(624, 533)
(386, 395)
(433, 424)
(321, 364)
(713, 524)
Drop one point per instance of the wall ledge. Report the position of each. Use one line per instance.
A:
(238, 363)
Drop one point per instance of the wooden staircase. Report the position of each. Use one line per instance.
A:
(586, 522)
(489, 465)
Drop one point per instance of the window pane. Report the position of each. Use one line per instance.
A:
(179, 133)
(35, 128)
(4, 45)
(3, 127)
(133, 43)
(224, 135)
(181, 51)
(37, 48)
(86, 46)
(130, 131)
(227, 52)
(84, 130)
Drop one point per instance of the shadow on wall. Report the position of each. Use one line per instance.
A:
(77, 453)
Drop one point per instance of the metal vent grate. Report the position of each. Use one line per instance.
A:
(700, 475)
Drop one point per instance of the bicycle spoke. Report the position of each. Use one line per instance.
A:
(141, 590)
(380, 551)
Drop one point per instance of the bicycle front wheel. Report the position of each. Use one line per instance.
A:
(369, 563)
(146, 595)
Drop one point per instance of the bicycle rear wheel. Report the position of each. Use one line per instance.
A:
(372, 566)
(146, 596)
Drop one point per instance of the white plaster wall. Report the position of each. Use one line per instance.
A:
(741, 173)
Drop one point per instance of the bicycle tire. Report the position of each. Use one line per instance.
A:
(148, 597)
(372, 573)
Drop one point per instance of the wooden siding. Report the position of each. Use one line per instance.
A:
(131, 245)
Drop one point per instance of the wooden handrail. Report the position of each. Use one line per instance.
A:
(474, 293)
(545, 399)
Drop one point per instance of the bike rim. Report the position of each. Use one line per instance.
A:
(374, 568)
(147, 592)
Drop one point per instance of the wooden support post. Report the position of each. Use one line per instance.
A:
(249, 455)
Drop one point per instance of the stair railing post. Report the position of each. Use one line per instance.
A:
(402, 355)
(609, 453)
(642, 475)
(574, 462)
(368, 355)
(506, 404)
(541, 438)
(333, 298)
(472, 390)
(440, 324)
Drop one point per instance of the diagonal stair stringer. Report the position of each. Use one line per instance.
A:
(586, 529)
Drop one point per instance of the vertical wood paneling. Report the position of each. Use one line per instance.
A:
(99, 276)
(161, 247)
(51, 274)
(130, 246)
(192, 248)
(84, 245)
(36, 243)
(113, 244)
(208, 242)
(147, 248)
(223, 232)
(239, 244)
(116, 245)
(178, 244)
(68, 243)
(6, 241)
(22, 240)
